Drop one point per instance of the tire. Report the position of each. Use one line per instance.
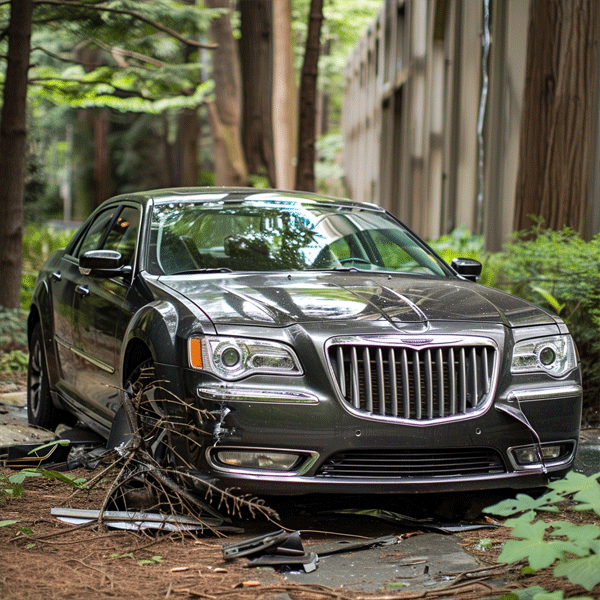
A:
(41, 411)
(141, 387)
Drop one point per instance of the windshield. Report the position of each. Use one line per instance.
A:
(282, 236)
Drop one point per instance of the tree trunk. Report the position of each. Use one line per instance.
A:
(102, 187)
(188, 131)
(256, 57)
(225, 111)
(187, 141)
(558, 114)
(305, 170)
(285, 96)
(13, 140)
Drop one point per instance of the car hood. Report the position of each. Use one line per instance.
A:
(280, 299)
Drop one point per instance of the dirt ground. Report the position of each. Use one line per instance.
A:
(42, 558)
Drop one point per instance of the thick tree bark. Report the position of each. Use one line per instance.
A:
(225, 111)
(305, 170)
(556, 125)
(13, 140)
(285, 95)
(187, 142)
(188, 133)
(102, 189)
(256, 57)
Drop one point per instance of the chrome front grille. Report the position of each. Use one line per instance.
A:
(408, 382)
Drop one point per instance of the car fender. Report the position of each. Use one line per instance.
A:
(40, 311)
(155, 324)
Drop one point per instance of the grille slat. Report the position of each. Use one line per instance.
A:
(393, 382)
(413, 463)
(416, 384)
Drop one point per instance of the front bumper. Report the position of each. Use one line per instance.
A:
(343, 453)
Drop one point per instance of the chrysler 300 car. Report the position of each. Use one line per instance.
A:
(301, 344)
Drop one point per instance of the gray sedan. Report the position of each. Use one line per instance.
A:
(287, 343)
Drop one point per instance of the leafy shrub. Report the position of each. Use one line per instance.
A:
(462, 243)
(12, 329)
(13, 340)
(560, 271)
(39, 242)
(573, 549)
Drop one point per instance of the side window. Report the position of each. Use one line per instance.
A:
(122, 236)
(94, 234)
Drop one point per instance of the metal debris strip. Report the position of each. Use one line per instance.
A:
(413, 523)
(284, 549)
(138, 521)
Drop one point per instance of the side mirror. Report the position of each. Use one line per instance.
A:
(103, 263)
(467, 267)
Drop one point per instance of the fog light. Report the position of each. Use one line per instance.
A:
(530, 454)
(271, 461)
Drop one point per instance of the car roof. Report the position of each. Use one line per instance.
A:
(235, 194)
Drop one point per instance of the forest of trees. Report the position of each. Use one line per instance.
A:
(100, 98)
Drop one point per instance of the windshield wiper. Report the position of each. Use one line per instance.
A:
(204, 270)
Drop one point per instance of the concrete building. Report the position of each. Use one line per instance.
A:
(415, 138)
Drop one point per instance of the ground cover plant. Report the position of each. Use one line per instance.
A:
(545, 539)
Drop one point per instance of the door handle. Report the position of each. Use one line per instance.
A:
(56, 276)
(82, 290)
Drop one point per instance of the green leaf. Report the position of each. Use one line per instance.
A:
(558, 595)
(8, 522)
(49, 445)
(540, 554)
(14, 491)
(61, 477)
(584, 488)
(522, 503)
(152, 561)
(549, 298)
(528, 593)
(581, 571)
(584, 537)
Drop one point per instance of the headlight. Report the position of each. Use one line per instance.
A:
(234, 358)
(554, 355)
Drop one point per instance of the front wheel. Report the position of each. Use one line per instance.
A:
(40, 408)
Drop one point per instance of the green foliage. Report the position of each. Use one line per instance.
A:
(462, 243)
(11, 486)
(14, 361)
(39, 242)
(12, 329)
(155, 560)
(573, 548)
(13, 341)
(329, 172)
(560, 271)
